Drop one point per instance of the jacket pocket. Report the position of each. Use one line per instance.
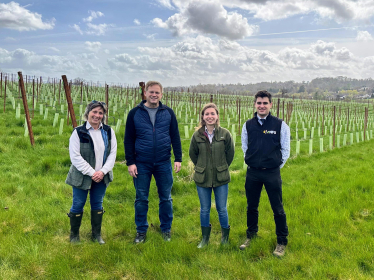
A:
(223, 173)
(199, 175)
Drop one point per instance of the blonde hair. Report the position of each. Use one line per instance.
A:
(152, 83)
(207, 106)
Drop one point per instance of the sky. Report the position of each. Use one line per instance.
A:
(188, 42)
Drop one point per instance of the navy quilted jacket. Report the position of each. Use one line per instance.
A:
(151, 144)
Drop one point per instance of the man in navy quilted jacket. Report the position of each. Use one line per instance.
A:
(151, 130)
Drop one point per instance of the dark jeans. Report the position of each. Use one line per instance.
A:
(97, 193)
(162, 172)
(271, 178)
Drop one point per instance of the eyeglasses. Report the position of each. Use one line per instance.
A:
(264, 103)
(101, 103)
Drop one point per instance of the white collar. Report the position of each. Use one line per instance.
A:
(89, 126)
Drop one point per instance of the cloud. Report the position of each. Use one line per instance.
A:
(194, 11)
(204, 60)
(136, 21)
(93, 15)
(97, 29)
(207, 17)
(166, 3)
(10, 39)
(150, 36)
(54, 49)
(13, 16)
(107, 51)
(77, 28)
(92, 46)
(49, 65)
(364, 36)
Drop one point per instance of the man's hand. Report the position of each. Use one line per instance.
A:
(133, 170)
(98, 176)
(177, 167)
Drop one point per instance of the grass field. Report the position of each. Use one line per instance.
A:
(328, 198)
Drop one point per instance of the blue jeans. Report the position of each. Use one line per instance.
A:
(162, 172)
(97, 193)
(205, 196)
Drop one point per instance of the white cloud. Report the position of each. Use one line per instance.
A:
(203, 60)
(54, 49)
(207, 17)
(364, 36)
(92, 46)
(49, 65)
(150, 36)
(136, 21)
(97, 29)
(10, 39)
(166, 3)
(107, 51)
(93, 15)
(77, 28)
(13, 16)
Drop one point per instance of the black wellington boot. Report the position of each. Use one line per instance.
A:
(96, 221)
(225, 235)
(206, 234)
(75, 224)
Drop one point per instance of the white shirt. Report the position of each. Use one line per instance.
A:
(97, 139)
(210, 136)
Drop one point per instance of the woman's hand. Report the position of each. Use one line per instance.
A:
(98, 176)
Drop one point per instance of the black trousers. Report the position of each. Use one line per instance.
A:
(271, 178)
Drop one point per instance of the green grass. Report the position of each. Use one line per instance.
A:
(328, 198)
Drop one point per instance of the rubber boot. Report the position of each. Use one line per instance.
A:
(206, 234)
(96, 221)
(225, 235)
(75, 224)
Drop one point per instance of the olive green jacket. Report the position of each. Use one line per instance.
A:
(212, 160)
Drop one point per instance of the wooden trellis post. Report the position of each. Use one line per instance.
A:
(6, 78)
(107, 102)
(68, 99)
(25, 106)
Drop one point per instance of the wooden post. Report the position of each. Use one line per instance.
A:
(365, 121)
(24, 99)
(239, 118)
(211, 98)
(323, 120)
(142, 87)
(33, 97)
(107, 102)
(37, 90)
(333, 131)
(5, 92)
(68, 99)
(59, 93)
(347, 119)
(278, 108)
(1, 84)
(81, 92)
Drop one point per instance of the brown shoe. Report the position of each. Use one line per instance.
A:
(279, 250)
(246, 243)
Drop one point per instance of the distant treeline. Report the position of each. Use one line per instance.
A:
(339, 87)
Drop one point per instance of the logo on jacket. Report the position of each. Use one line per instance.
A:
(270, 132)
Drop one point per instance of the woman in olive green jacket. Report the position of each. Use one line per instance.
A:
(212, 151)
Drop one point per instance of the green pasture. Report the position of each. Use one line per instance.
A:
(328, 198)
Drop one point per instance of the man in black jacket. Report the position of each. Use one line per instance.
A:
(151, 130)
(266, 147)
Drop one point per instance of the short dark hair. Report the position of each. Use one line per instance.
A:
(92, 105)
(262, 94)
